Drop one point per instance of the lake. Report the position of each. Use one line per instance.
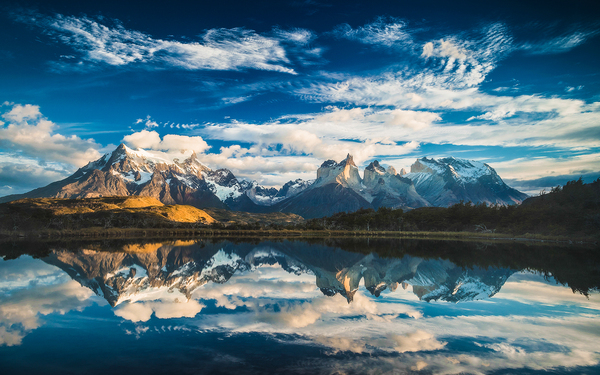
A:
(318, 306)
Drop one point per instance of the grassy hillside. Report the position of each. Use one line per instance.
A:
(231, 219)
(56, 214)
(105, 212)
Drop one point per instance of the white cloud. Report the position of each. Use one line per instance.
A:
(444, 48)
(162, 309)
(558, 44)
(108, 42)
(148, 122)
(298, 36)
(150, 139)
(23, 305)
(416, 342)
(23, 113)
(28, 132)
(381, 32)
(415, 120)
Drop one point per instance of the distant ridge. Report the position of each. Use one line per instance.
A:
(338, 187)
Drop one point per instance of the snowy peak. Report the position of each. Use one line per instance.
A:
(268, 196)
(459, 169)
(386, 188)
(446, 181)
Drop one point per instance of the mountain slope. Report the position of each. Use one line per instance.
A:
(334, 190)
(184, 179)
(447, 181)
(127, 172)
(389, 189)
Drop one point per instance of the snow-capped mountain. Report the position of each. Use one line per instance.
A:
(338, 188)
(386, 188)
(263, 196)
(443, 182)
(184, 179)
(179, 180)
(447, 181)
(176, 269)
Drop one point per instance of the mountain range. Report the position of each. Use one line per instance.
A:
(338, 186)
(160, 269)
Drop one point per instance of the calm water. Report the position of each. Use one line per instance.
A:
(325, 307)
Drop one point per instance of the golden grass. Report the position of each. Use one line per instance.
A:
(150, 248)
(184, 214)
(142, 248)
(130, 204)
(137, 201)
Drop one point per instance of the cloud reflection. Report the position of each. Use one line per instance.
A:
(278, 292)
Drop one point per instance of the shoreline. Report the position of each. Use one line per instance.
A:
(139, 233)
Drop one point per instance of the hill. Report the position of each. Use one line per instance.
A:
(105, 212)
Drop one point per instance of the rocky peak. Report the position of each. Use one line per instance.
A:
(373, 173)
(422, 165)
(402, 171)
(121, 149)
(376, 167)
(328, 164)
(348, 161)
(344, 173)
(194, 165)
(325, 169)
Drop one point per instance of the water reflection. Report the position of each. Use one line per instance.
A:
(431, 307)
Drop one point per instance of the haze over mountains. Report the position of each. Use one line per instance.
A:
(338, 186)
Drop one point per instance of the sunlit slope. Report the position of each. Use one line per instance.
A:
(107, 212)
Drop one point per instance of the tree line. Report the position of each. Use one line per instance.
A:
(573, 209)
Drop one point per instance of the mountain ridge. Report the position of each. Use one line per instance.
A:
(338, 185)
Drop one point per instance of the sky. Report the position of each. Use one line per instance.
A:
(271, 89)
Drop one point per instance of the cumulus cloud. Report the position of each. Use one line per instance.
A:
(102, 42)
(162, 309)
(29, 133)
(416, 341)
(415, 120)
(150, 139)
(20, 310)
(444, 48)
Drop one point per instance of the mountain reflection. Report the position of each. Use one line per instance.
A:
(320, 306)
(139, 270)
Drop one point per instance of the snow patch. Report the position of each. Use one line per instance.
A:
(224, 192)
(125, 272)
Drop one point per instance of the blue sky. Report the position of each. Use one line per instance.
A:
(271, 89)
